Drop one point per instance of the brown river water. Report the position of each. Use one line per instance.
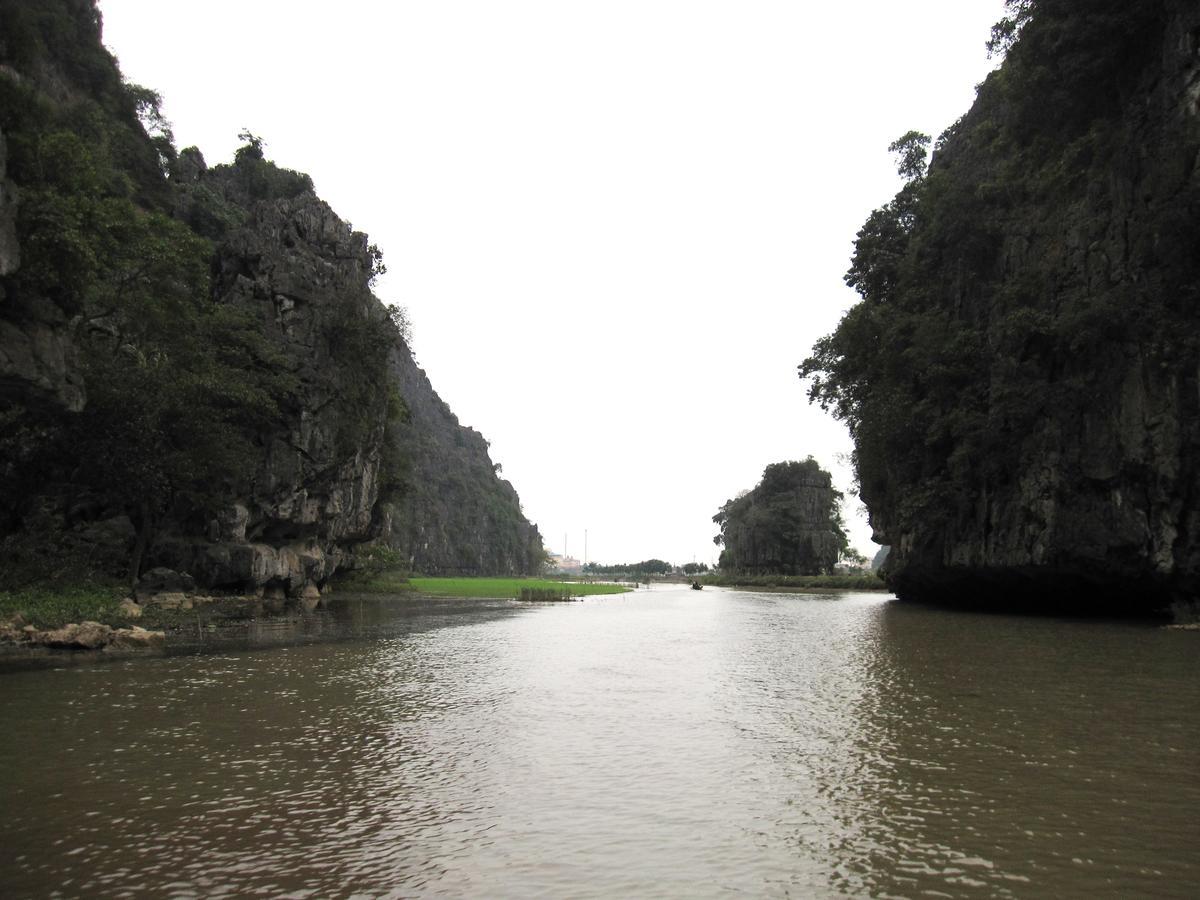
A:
(665, 743)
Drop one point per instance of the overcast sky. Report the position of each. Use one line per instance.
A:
(617, 226)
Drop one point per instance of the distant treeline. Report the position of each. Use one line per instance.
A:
(645, 567)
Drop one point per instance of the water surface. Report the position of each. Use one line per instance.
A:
(662, 743)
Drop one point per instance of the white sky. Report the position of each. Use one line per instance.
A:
(617, 226)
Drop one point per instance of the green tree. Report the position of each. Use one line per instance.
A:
(148, 104)
(852, 556)
(1007, 30)
(912, 151)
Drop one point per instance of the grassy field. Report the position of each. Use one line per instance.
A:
(507, 587)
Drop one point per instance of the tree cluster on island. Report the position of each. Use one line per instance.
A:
(789, 524)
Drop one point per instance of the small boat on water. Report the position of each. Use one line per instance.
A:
(697, 586)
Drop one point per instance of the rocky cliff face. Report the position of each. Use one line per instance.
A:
(10, 251)
(254, 453)
(455, 515)
(37, 353)
(302, 275)
(51, 57)
(1024, 390)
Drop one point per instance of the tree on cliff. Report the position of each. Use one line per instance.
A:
(790, 524)
(1007, 30)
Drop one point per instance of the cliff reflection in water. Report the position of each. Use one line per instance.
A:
(668, 742)
(1002, 755)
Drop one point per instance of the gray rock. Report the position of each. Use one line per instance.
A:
(456, 516)
(232, 522)
(10, 250)
(310, 597)
(78, 636)
(190, 167)
(302, 273)
(168, 600)
(163, 580)
(136, 638)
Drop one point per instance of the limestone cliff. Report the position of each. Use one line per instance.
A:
(455, 515)
(304, 276)
(1022, 377)
(194, 371)
(301, 274)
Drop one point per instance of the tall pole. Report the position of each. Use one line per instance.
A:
(585, 548)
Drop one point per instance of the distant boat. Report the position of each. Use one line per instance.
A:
(697, 586)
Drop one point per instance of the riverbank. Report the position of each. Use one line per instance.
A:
(107, 617)
(58, 621)
(104, 616)
(475, 587)
(74, 617)
(56, 606)
(799, 583)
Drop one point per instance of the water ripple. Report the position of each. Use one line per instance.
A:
(658, 744)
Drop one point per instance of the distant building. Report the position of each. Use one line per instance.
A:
(566, 565)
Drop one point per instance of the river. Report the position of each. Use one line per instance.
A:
(661, 743)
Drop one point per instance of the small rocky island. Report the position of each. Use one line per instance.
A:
(789, 524)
